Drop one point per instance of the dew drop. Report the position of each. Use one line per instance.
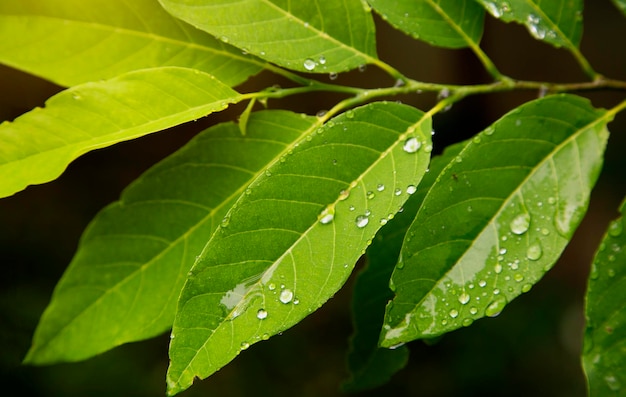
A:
(411, 145)
(473, 310)
(244, 345)
(482, 283)
(343, 195)
(380, 187)
(322, 60)
(271, 286)
(518, 277)
(261, 314)
(615, 228)
(327, 215)
(454, 313)
(526, 287)
(351, 208)
(411, 189)
(309, 64)
(467, 322)
(612, 382)
(534, 252)
(464, 298)
(333, 76)
(495, 307)
(286, 296)
(362, 221)
(497, 268)
(383, 221)
(225, 221)
(520, 224)
(370, 195)
(397, 192)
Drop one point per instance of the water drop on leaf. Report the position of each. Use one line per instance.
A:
(362, 221)
(309, 64)
(495, 307)
(286, 296)
(520, 224)
(534, 252)
(411, 145)
(261, 314)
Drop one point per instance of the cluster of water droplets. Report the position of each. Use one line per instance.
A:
(311, 64)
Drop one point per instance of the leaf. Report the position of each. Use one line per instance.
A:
(321, 36)
(621, 4)
(291, 241)
(124, 282)
(369, 365)
(521, 187)
(558, 22)
(605, 335)
(444, 23)
(71, 42)
(38, 145)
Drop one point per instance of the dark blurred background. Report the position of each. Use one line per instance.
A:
(531, 349)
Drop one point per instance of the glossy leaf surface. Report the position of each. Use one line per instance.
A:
(605, 336)
(37, 146)
(558, 22)
(444, 23)
(145, 244)
(370, 365)
(72, 42)
(320, 36)
(292, 239)
(521, 187)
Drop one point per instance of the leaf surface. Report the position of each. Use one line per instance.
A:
(521, 188)
(291, 241)
(444, 23)
(605, 336)
(371, 366)
(72, 42)
(124, 282)
(621, 4)
(37, 146)
(319, 36)
(558, 22)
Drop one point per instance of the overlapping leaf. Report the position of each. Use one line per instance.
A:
(558, 22)
(604, 355)
(444, 23)
(369, 365)
(71, 42)
(38, 145)
(520, 188)
(124, 281)
(291, 241)
(310, 36)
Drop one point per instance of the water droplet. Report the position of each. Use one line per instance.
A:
(493, 9)
(333, 76)
(615, 228)
(362, 68)
(383, 221)
(309, 64)
(496, 291)
(271, 286)
(611, 273)
(351, 208)
(225, 221)
(612, 382)
(502, 251)
(482, 283)
(464, 298)
(534, 252)
(467, 322)
(322, 60)
(495, 307)
(362, 221)
(296, 301)
(411, 189)
(520, 224)
(327, 215)
(261, 314)
(286, 296)
(244, 345)
(370, 195)
(473, 310)
(526, 287)
(225, 39)
(380, 187)
(397, 192)
(534, 27)
(454, 313)
(497, 268)
(411, 145)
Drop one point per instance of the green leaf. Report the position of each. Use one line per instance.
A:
(520, 187)
(125, 279)
(310, 36)
(291, 241)
(558, 22)
(444, 23)
(369, 365)
(38, 145)
(621, 4)
(71, 42)
(604, 354)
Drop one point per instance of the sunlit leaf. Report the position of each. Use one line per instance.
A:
(621, 4)
(369, 365)
(604, 354)
(124, 281)
(311, 36)
(558, 22)
(444, 23)
(497, 218)
(37, 146)
(292, 239)
(71, 42)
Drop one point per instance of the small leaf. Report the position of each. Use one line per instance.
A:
(521, 188)
(38, 145)
(557, 22)
(72, 42)
(291, 241)
(308, 36)
(124, 282)
(444, 23)
(605, 335)
(369, 365)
